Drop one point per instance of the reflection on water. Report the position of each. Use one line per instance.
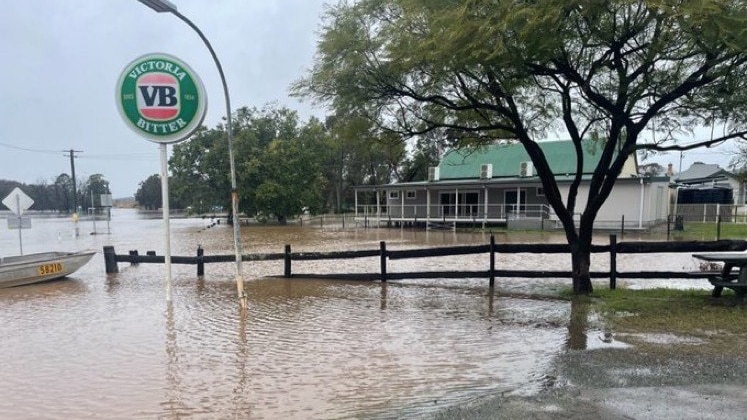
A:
(109, 346)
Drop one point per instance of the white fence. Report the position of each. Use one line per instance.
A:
(456, 212)
(729, 213)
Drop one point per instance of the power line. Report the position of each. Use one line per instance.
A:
(104, 156)
(120, 156)
(24, 149)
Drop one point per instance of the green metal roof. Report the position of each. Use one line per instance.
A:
(506, 158)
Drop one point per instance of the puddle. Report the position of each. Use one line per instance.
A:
(661, 338)
(604, 340)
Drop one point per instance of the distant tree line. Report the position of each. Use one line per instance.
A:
(285, 166)
(148, 195)
(58, 196)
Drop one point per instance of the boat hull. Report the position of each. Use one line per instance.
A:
(36, 268)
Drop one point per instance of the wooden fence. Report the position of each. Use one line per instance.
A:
(613, 249)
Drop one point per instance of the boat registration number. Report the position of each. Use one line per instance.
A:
(51, 268)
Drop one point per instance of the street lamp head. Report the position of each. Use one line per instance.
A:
(160, 6)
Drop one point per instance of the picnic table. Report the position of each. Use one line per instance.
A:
(732, 275)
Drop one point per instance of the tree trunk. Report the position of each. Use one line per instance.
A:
(577, 328)
(580, 264)
(282, 220)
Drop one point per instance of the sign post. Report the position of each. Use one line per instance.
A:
(161, 98)
(18, 202)
(107, 203)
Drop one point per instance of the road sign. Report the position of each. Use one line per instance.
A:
(161, 98)
(17, 201)
(19, 223)
(106, 200)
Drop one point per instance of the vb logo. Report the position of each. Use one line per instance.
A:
(161, 98)
(158, 96)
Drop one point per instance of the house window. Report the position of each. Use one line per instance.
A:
(394, 195)
(515, 201)
(410, 195)
(448, 204)
(540, 192)
(471, 204)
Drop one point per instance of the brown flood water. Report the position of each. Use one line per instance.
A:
(98, 346)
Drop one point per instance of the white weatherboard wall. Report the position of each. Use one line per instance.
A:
(625, 200)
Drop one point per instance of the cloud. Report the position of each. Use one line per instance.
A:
(62, 60)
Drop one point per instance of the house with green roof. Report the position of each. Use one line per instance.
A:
(496, 184)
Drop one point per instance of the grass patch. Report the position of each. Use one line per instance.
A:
(699, 231)
(690, 312)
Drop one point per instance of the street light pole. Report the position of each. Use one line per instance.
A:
(165, 6)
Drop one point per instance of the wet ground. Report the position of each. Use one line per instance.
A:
(109, 346)
(625, 384)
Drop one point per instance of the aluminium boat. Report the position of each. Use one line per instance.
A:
(44, 266)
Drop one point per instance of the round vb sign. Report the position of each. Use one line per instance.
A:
(161, 98)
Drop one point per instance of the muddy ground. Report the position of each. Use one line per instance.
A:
(679, 379)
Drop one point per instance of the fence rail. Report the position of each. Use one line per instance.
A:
(613, 249)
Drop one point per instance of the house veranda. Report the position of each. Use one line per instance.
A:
(496, 185)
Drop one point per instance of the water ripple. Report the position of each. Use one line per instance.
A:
(109, 346)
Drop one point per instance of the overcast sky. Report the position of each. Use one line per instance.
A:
(61, 61)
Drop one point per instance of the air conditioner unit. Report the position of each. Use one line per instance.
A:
(433, 173)
(486, 171)
(526, 169)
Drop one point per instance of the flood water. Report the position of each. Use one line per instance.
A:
(110, 346)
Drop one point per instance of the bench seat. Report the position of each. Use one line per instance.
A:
(740, 289)
(712, 274)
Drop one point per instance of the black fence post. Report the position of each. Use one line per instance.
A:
(382, 247)
(613, 262)
(492, 261)
(287, 272)
(133, 253)
(718, 227)
(669, 223)
(622, 227)
(110, 260)
(200, 262)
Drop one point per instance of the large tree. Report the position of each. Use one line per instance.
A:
(148, 195)
(614, 70)
(290, 174)
(95, 186)
(361, 153)
(279, 162)
(63, 192)
(201, 178)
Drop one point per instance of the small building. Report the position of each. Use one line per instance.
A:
(704, 183)
(497, 185)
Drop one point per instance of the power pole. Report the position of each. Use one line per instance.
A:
(71, 153)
